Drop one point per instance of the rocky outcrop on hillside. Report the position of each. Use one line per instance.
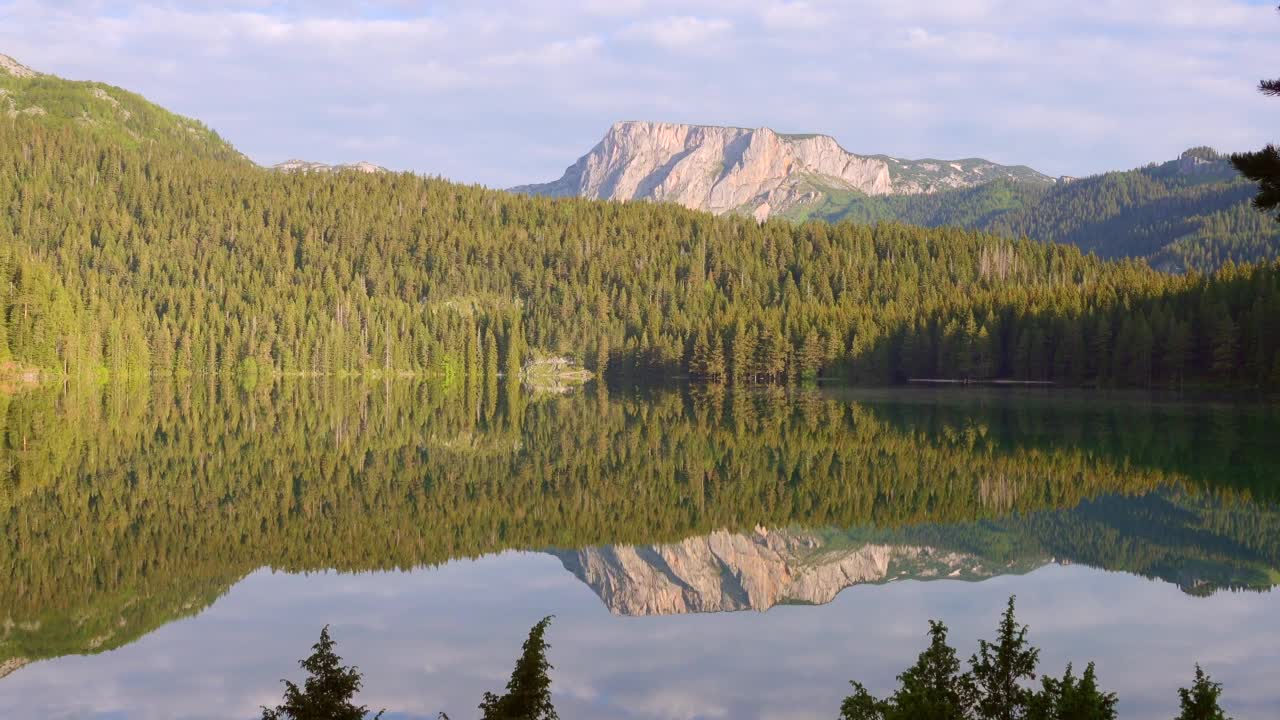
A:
(752, 171)
(306, 166)
(754, 571)
(13, 67)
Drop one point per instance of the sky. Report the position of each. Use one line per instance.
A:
(438, 638)
(504, 93)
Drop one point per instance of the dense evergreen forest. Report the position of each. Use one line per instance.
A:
(98, 547)
(167, 256)
(1193, 213)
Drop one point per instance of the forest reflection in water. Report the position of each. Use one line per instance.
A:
(124, 509)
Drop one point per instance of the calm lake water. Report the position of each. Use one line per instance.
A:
(171, 552)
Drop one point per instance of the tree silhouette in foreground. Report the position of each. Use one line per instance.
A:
(999, 669)
(992, 689)
(932, 689)
(1200, 702)
(1072, 699)
(1263, 166)
(528, 695)
(327, 692)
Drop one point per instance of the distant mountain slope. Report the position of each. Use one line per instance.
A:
(306, 166)
(1192, 213)
(756, 172)
(1201, 543)
(114, 114)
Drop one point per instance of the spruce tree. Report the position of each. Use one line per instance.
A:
(1072, 698)
(1000, 668)
(327, 692)
(934, 688)
(862, 705)
(1200, 701)
(528, 695)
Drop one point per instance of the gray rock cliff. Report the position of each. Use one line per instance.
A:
(752, 171)
(753, 571)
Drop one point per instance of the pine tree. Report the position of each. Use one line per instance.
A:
(715, 358)
(862, 705)
(984, 355)
(744, 353)
(1072, 699)
(999, 669)
(811, 352)
(327, 692)
(514, 358)
(528, 695)
(1263, 166)
(699, 362)
(771, 356)
(602, 356)
(490, 355)
(1200, 701)
(934, 688)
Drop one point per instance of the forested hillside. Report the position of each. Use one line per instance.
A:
(158, 257)
(1192, 213)
(105, 112)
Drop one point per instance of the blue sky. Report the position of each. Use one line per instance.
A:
(507, 93)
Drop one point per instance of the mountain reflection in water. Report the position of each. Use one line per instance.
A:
(125, 508)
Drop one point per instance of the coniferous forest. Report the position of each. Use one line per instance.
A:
(173, 257)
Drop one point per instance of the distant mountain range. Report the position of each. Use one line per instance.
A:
(1191, 213)
(305, 166)
(756, 172)
(1166, 536)
(727, 572)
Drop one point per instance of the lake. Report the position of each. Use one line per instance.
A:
(171, 551)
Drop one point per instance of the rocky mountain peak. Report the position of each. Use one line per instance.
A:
(15, 68)
(724, 571)
(750, 171)
(1199, 159)
(306, 166)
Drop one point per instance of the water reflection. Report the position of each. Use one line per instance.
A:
(125, 510)
(437, 639)
(724, 571)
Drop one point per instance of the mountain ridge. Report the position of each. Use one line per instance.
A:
(15, 68)
(293, 165)
(730, 572)
(753, 171)
(121, 116)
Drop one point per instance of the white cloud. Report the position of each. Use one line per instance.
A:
(682, 32)
(472, 90)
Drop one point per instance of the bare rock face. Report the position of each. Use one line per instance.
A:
(306, 166)
(8, 667)
(728, 572)
(13, 67)
(751, 171)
